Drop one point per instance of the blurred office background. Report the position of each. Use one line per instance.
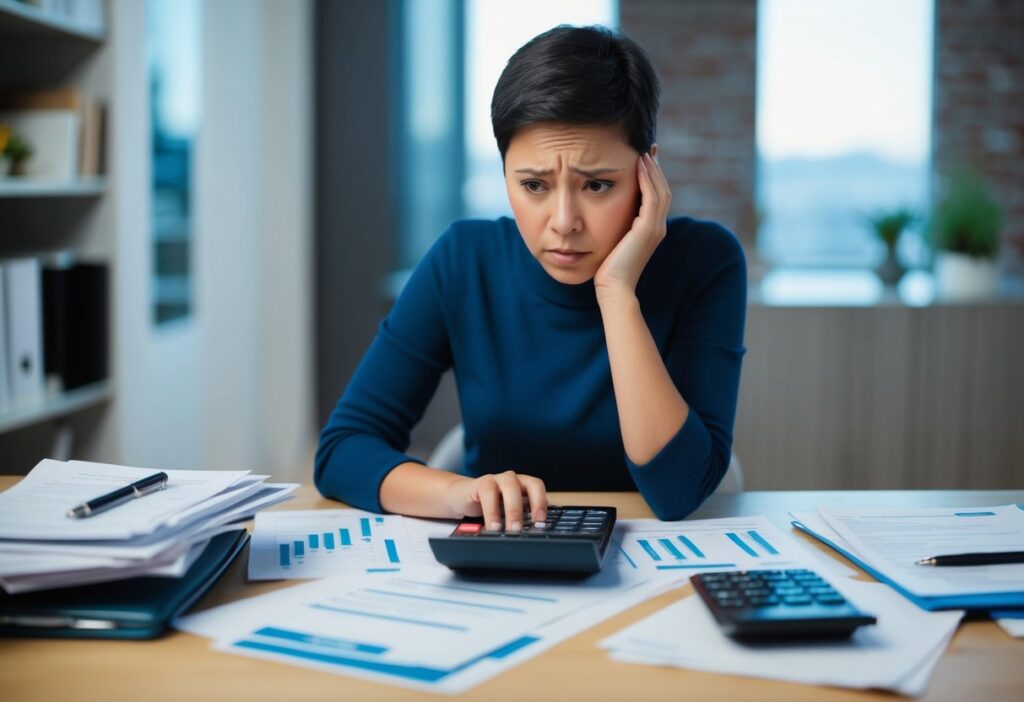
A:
(269, 171)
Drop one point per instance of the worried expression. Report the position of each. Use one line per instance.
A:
(574, 194)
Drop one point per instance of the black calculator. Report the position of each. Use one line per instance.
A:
(778, 604)
(571, 541)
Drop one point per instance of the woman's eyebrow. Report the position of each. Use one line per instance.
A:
(589, 174)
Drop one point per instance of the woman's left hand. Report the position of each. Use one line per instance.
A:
(620, 271)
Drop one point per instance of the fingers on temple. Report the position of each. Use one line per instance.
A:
(660, 179)
(644, 176)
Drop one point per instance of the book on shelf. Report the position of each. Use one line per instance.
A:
(64, 126)
(5, 393)
(53, 136)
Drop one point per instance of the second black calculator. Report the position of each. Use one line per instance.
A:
(571, 541)
(778, 604)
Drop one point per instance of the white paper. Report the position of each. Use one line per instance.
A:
(36, 507)
(150, 546)
(242, 489)
(163, 542)
(891, 540)
(15, 564)
(321, 543)
(680, 549)
(423, 628)
(898, 653)
(172, 561)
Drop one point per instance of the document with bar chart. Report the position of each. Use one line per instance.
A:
(319, 543)
(686, 547)
(423, 629)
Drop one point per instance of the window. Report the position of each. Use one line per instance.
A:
(172, 39)
(843, 126)
(452, 52)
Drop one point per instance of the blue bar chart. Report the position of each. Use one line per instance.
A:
(326, 542)
(721, 544)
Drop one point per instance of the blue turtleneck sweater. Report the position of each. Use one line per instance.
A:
(532, 371)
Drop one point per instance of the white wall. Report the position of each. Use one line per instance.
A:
(231, 387)
(287, 414)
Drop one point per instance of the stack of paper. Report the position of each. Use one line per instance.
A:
(161, 533)
(888, 542)
(898, 654)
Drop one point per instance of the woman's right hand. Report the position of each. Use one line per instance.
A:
(493, 495)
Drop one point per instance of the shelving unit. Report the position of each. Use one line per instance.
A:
(30, 21)
(24, 187)
(40, 50)
(56, 406)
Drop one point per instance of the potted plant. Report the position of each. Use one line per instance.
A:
(5, 160)
(18, 151)
(888, 226)
(965, 234)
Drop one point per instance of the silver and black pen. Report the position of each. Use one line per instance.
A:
(150, 483)
(973, 559)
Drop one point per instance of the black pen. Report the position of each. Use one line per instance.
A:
(972, 559)
(149, 484)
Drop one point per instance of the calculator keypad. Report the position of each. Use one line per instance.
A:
(761, 588)
(778, 604)
(586, 522)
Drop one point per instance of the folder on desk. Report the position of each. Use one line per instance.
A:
(968, 590)
(136, 608)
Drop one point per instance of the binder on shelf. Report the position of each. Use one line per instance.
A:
(75, 323)
(23, 312)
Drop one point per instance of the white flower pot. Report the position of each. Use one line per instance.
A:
(959, 276)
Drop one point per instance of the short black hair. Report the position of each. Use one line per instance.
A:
(578, 75)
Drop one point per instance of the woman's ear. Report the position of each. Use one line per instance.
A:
(654, 150)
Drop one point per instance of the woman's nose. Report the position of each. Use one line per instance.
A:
(565, 219)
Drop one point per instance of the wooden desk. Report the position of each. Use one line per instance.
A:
(982, 662)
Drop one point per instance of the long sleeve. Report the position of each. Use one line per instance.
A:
(703, 358)
(368, 431)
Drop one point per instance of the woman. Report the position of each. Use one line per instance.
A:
(595, 345)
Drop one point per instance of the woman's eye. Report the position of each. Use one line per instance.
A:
(532, 186)
(602, 186)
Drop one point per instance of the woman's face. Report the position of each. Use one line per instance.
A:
(574, 193)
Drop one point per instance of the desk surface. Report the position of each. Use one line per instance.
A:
(982, 662)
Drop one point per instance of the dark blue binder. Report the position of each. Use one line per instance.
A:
(135, 608)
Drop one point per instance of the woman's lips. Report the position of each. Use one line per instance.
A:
(566, 257)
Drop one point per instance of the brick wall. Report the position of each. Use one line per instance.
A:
(979, 103)
(704, 52)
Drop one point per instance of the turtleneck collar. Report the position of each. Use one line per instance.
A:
(541, 282)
